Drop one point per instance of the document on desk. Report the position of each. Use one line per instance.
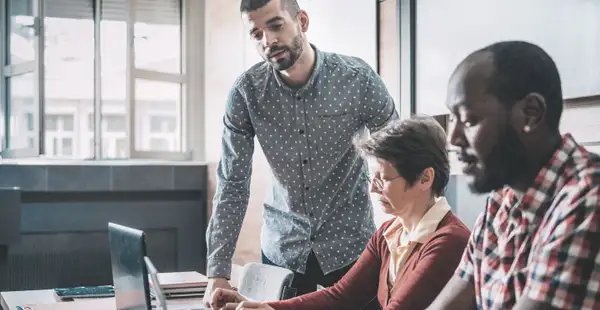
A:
(92, 304)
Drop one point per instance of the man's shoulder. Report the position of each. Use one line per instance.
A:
(347, 63)
(585, 167)
(581, 187)
(253, 77)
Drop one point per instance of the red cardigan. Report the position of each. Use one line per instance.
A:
(418, 282)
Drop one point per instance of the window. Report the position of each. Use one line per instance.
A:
(60, 135)
(115, 123)
(157, 117)
(62, 147)
(60, 123)
(29, 121)
(21, 92)
(159, 144)
(65, 56)
(163, 124)
(110, 123)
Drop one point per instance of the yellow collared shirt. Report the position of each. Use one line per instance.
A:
(401, 242)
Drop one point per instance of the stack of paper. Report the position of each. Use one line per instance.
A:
(182, 285)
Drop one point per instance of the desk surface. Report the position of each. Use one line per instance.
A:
(45, 300)
(10, 300)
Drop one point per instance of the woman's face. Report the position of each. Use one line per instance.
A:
(394, 194)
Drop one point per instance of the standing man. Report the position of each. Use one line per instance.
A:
(536, 245)
(304, 106)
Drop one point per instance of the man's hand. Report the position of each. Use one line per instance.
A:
(246, 305)
(213, 285)
(225, 299)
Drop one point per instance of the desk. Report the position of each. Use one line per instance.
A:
(10, 300)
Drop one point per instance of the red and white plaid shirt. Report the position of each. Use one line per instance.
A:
(545, 246)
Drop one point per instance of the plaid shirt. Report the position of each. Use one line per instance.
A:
(544, 246)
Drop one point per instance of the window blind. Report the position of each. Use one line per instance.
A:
(146, 11)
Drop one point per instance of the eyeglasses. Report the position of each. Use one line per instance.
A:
(379, 183)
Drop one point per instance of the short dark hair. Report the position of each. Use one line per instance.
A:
(521, 68)
(291, 6)
(411, 146)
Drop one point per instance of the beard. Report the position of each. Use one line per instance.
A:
(294, 50)
(504, 165)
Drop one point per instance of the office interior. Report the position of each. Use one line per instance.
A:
(112, 111)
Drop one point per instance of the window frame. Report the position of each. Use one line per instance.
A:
(8, 71)
(132, 73)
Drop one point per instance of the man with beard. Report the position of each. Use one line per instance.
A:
(304, 106)
(536, 245)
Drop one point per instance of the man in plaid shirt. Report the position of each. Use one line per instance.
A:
(537, 244)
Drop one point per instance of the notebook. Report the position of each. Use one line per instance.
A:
(182, 280)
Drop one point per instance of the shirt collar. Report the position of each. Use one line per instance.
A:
(319, 60)
(426, 226)
(548, 178)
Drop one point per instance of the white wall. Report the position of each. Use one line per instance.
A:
(337, 26)
(344, 26)
(448, 31)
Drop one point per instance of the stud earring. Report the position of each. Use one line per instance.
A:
(526, 129)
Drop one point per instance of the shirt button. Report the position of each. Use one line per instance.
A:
(301, 131)
(305, 161)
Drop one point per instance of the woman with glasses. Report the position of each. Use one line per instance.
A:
(411, 257)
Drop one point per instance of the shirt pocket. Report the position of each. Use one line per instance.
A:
(333, 133)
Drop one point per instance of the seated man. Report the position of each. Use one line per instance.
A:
(410, 258)
(537, 244)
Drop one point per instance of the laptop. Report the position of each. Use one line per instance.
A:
(158, 292)
(130, 276)
(130, 271)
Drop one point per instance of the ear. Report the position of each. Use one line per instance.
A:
(426, 180)
(303, 20)
(529, 113)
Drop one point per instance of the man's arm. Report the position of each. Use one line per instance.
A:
(458, 294)
(233, 186)
(565, 271)
(378, 105)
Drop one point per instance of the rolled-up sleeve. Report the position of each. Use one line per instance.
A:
(472, 253)
(233, 186)
(378, 105)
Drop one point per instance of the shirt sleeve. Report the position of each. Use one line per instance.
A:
(233, 186)
(354, 290)
(565, 270)
(471, 257)
(378, 105)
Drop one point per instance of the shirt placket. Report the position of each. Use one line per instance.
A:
(304, 137)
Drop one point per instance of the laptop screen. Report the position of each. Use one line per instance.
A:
(130, 277)
(158, 293)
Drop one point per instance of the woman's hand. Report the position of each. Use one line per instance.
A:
(220, 298)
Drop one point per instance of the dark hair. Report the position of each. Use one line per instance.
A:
(291, 6)
(411, 146)
(521, 68)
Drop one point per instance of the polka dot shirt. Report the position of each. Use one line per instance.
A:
(319, 198)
